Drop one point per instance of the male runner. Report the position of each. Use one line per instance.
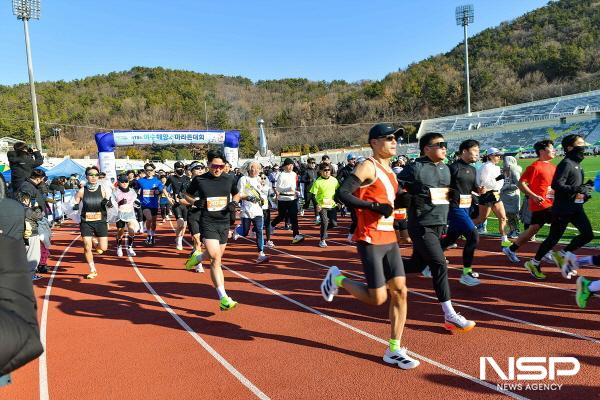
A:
(150, 189)
(179, 183)
(371, 190)
(196, 168)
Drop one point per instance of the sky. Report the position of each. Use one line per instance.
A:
(257, 39)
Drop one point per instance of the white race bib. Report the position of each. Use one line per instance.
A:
(400, 213)
(550, 194)
(386, 224)
(93, 216)
(148, 193)
(579, 198)
(439, 195)
(328, 203)
(465, 201)
(216, 203)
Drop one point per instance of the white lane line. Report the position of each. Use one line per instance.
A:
(568, 227)
(237, 374)
(43, 362)
(543, 327)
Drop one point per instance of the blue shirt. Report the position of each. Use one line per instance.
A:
(148, 189)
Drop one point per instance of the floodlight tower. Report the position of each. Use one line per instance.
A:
(465, 15)
(26, 10)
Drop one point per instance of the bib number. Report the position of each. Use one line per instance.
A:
(216, 203)
(439, 195)
(400, 213)
(550, 193)
(579, 198)
(93, 216)
(327, 203)
(465, 201)
(148, 193)
(386, 224)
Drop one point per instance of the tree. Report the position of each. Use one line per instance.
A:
(166, 154)
(135, 153)
(183, 154)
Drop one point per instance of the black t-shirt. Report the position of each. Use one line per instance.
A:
(217, 191)
(462, 180)
(178, 183)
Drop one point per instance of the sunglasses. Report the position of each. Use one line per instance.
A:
(96, 175)
(326, 170)
(441, 145)
(217, 166)
(389, 138)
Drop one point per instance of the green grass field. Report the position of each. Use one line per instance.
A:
(591, 166)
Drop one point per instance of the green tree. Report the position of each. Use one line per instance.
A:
(183, 154)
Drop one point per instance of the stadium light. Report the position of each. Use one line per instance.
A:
(26, 10)
(465, 15)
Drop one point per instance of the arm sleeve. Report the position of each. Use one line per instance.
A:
(346, 190)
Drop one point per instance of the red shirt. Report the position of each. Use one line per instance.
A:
(538, 177)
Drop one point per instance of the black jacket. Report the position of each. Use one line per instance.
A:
(19, 330)
(21, 165)
(308, 177)
(38, 198)
(567, 182)
(12, 218)
(345, 172)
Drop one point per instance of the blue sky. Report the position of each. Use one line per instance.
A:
(258, 39)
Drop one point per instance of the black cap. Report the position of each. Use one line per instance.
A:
(179, 165)
(382, 130)
(288, 161)
(122, 178)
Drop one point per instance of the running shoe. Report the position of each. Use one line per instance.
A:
(262, 258)
(470, 279)
(458, 323)
(297, 239)
(350, 235)
(322, 243)
(548, 258)
(512, 256)
(199, 269)
(236, 235)
(534, 270)
(270, 244)
(130, 252)
(147, 241)
(400, 358)
(506, 243)
(91, 275)
(42, 269)
(152, 240)
(192, 261)
(179, 246)
(532, 239)
(317, 221)
(119, 251)
(426, 272)
(35, 277)
(583, 291)
(564, 261)
(328, 287)
(302, 212)
(287, 227)
(452, 246)
(227, 303)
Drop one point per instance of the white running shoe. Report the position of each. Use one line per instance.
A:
(302, 212)
(179, 246)
(400, 358)
(458, 323)
(262, 258)
(452, 246)
(270, 244)
(199, 268)
(297, 239)
(470, 279)
(179, 243)
(426, 272)
(548, 257)
(119, 251)
(236, 235)
(512, 256)
(328, 287)
(322, 243)
(130, 252)
(350, 235)
(565, 262)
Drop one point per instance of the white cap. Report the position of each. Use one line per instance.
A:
(492, 150)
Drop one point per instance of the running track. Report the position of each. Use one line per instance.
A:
(146, 328)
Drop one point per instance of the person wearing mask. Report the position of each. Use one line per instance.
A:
(510, 195)
(372, 190)
(127, 202)
(536, 183)
(178, 183)
(324, 190)
(32, 187)
(22, 161)
(427, 181)
(308, 177)
(570, 193)
(490, 179)
(287, 199)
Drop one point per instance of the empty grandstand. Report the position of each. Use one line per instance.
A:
(518, 127)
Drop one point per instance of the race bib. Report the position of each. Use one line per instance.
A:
(400, 213)
(579, 198)
(328, 203)
(93, 216)
(439, 195)
(386, 224)
(550, 194)
(465, 201)
(216, 203)
(148, 193)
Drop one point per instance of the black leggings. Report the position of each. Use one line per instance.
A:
(427, 251)
(328, 221)
(472, 240)
(308, 199)
(289, 209)
(559, 224)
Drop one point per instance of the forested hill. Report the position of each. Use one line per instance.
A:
(549, 51)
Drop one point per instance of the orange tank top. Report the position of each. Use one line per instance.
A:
(372, 227)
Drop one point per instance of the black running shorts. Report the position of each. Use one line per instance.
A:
(381, 262)
(96, 228)
(193, 220)
(180, 211)
(214, 230)
(542, 217)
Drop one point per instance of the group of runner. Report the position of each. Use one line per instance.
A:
(433, 200)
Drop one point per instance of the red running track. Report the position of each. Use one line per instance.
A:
(146, 328)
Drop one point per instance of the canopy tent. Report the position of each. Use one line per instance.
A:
(66, 168)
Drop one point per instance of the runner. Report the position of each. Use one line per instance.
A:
(266, 190)
(307, 179)
(323, 190)
(570, 193)
(195, 259)
(287, 199)
(462, 186)
(371, 190)
(535, 183)
(93, 201)
(179, 182)
(490, 178)
(127, 202)
(216, 195)
(427, 180)
(249, 189)
(150, 189)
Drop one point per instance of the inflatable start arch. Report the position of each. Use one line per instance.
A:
(107, 141)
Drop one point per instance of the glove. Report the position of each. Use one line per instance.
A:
(121, 202)
(75, 207)
(136, 203)
(585, 189)
(252, 199)
(384, 209)
(200, 203)
(106, 203)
